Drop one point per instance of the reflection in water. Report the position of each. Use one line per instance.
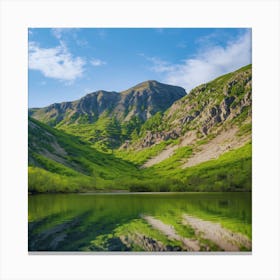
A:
(114, 222)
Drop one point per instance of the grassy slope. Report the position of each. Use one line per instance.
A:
(211, 93)
(104, 134)
(230, 172)
(202, 99)
(79, 168)
(84, 167)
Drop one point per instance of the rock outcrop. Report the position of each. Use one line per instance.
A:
(206, 109)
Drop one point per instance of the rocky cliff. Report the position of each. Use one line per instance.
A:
(217, 105)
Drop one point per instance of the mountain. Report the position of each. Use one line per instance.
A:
(216, 114)
(203, 140)
(226, 100)
(150, 137)
(106, 119)
(141, 101)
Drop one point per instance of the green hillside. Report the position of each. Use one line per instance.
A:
(108, 119)
(220, 104)
(77, 167)
(62, 162)
(151, 137)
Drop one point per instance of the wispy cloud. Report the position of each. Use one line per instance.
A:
(57, 63)
(158, 65)
(60, 32)
(69, 34)
(207, 64)
(97, 62)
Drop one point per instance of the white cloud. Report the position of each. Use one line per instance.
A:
(60, 32)
(69, 34)
(57, 32)
(207, 65)
(57, 63)
(97, 62)
(158, 65)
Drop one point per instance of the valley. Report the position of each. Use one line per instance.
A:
(151, 137)
(139, 141)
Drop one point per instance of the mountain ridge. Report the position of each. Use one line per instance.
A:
(95, 103)
(224, 100)
(202, 141)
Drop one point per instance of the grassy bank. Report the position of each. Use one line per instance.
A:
(63, 163)
(230, 172)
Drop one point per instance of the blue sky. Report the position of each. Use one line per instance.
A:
(67, 63)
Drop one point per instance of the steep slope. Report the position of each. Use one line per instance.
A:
(146, 99)
(110, 118)
(141, 101)
(85, 110)
(212, 119)
(202, 142)
(65, 163)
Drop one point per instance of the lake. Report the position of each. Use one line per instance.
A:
(140, 222)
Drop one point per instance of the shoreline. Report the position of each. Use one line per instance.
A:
(125, 192)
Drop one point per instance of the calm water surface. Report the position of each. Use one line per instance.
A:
(73, 222)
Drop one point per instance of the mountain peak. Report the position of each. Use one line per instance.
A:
(148, 83)
(153, 85)
(141, 101)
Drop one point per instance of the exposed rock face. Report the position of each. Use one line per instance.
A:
(206, 108)
(154, 138)
(141, 101)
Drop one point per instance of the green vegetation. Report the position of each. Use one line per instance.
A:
(141, 227)
(153, 124)
(230, 172)
(81, 168)
(227, 92)
(82, 151)
(70, 161)
(98, 222)
(175, 161)
(245, 129)
(40, 180)
(104, 134)
(139, 157)
(92, 146)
